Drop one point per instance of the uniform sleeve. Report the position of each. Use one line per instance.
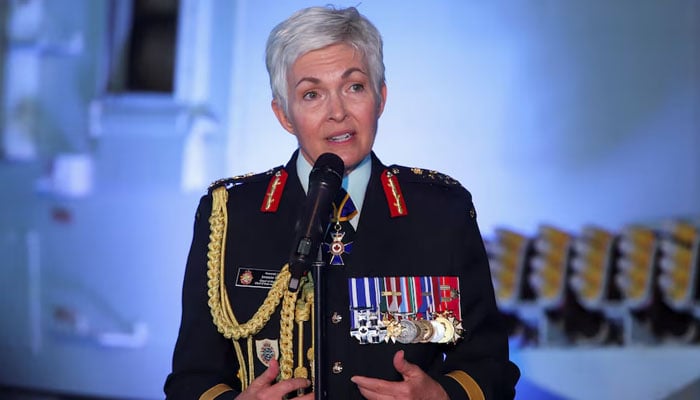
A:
(204, 364)
(478, 366)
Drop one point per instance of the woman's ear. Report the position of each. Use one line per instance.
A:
(282, 116)
(382, 101)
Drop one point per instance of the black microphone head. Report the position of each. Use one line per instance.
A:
(324, 183)
(330, 166)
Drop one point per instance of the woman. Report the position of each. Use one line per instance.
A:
(411, 309)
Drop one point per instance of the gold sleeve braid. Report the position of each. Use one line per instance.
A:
(468, 384)
(219, 303)
(214, 392)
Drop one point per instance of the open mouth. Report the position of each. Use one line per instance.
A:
(340, 138)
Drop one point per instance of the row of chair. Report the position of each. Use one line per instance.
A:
(639, 284)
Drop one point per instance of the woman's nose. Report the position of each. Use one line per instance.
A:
(336, 108)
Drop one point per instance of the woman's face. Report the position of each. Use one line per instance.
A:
(332, 106)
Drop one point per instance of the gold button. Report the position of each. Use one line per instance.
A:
(336, 318)
(337, 367)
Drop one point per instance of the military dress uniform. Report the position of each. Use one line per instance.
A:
(416, 225)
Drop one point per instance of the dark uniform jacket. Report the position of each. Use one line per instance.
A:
(437, 236)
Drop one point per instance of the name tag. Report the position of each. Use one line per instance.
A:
(255, 277)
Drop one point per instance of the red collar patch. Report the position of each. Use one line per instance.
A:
(273, 195)
(394, 197)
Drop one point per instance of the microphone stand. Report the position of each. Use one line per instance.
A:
(325, 180)
(319, 384)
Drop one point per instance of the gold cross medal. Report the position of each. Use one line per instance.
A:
(336, 247)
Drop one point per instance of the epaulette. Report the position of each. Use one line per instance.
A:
(408, 174)
(242, 179)
(419, 175)
(391, 180)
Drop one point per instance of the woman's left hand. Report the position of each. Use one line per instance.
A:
(416, 384)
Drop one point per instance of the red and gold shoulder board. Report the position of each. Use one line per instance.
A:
(273, 194)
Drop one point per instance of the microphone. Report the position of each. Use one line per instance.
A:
(324, 182)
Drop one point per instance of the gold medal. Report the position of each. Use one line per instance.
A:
(425, 331)
(438, 331)
(393, 330)
(449, 329)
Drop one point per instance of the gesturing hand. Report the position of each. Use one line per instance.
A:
(265, 388)
(416, 384)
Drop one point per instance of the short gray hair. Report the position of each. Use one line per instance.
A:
(314, 28)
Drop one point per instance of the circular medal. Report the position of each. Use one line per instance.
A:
(449, 330)
(425, 331)
(438, 331)
(409, 331)
(337, 248)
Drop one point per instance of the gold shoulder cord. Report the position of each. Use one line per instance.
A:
(220, 306)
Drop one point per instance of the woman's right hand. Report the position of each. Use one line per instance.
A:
(264, 387)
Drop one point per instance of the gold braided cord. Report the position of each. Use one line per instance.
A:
(310, 351)
(303, 309)
(303, 314)
(251, 368)
(300, 371)
(286, 333)
(242, 373)
(223, 314)
(219, 303)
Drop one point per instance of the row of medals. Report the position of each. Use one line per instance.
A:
(440, 328)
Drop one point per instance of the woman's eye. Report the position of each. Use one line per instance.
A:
(310, 95)
(357, 87)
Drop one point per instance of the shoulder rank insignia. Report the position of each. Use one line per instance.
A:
(424, 175)
(227, 182)
(273, 194)
(394, 197)
(250, 177)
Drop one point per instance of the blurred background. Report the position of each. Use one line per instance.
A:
(575, 125)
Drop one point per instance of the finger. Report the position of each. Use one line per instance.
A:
(281, 388)
(372, 395)
(375, 385)
(405, 368)
(266, 378)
